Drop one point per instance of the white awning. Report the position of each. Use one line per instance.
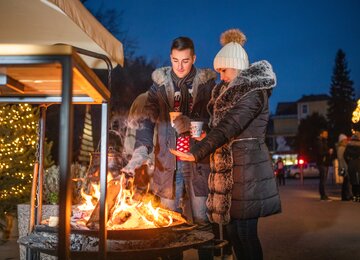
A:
(58, 21)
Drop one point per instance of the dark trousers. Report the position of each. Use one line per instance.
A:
(356, 190)
(323, 170)
(227, 250)
(280, 178)
(346, 193)
(244, 238)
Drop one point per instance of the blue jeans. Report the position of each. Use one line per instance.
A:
(191, 206)
(244, 238)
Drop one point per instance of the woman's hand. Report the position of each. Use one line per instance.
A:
(183, 156)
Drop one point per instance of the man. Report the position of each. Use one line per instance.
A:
(280, 171)
(143, 173)
(181, 186)
(323, 154)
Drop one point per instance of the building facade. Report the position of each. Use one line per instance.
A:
(285, 122)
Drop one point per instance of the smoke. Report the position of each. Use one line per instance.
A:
(139, 157)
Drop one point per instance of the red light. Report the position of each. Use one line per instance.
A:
(301, 161)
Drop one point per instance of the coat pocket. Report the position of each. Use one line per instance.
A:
(250, 152)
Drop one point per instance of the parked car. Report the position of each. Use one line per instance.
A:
(310, 170)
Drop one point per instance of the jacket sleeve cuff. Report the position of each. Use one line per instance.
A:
(200, 151)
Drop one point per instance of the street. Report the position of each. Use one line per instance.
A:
(309, 228)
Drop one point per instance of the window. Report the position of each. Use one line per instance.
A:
(304, 109)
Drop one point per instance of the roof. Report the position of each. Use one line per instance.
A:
(32, 74)
(58, 21)
(286, 108)
(312, 98)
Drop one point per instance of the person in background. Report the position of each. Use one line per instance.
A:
(181, 186)
(143, 173)
(136, 113)
(242, 182)
(343, 169)
(352, 158)
(280, 171)
(323, 154)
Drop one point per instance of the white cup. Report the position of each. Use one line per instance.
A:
(174, 115)
(196, 128)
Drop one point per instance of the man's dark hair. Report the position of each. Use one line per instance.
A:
(183, 43)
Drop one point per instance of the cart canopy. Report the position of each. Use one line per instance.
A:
(58, 22)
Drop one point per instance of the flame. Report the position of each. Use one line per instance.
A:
(129, 212)
(155, 213)
(96, 193)
(88, 199)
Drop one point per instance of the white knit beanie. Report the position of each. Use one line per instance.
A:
(232, 55)
(342, 137)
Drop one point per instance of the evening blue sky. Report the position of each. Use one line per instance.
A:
(299, 38)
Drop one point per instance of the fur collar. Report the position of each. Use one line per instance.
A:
(162, 77)
(258, 76)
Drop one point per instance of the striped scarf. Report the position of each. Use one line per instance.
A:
(183, 84)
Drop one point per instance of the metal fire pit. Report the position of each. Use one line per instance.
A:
(126, 234)
(83, 246)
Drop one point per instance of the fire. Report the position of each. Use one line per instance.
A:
(157, 216)
(88, 204)
(127, 211)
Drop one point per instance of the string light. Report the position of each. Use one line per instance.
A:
(356, 114)
(18, 137)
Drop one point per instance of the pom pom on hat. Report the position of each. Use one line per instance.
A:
(233, 35)
(232, 55)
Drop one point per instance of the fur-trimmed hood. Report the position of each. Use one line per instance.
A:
(162, 77)
(258, 76)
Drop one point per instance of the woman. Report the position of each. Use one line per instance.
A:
(343, 169)
(242, 183)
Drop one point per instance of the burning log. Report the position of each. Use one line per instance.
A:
(158, 219)
(174, 215)
(121, 217)
(113, 188)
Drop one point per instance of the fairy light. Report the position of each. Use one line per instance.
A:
(356, 114)
(18, 137)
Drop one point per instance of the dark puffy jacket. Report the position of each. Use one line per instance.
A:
(240, 116)
(352, 158)
(158, 105)
(322, 152)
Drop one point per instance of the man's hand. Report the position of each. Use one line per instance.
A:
(182, 124)
(139, 157)
(183, 156)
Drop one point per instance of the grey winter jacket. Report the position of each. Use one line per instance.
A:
(242, 183)
(159, 103)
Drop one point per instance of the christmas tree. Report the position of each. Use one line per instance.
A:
(341, 103)
(18, 142)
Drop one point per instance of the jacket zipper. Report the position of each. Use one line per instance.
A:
(163, 96)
